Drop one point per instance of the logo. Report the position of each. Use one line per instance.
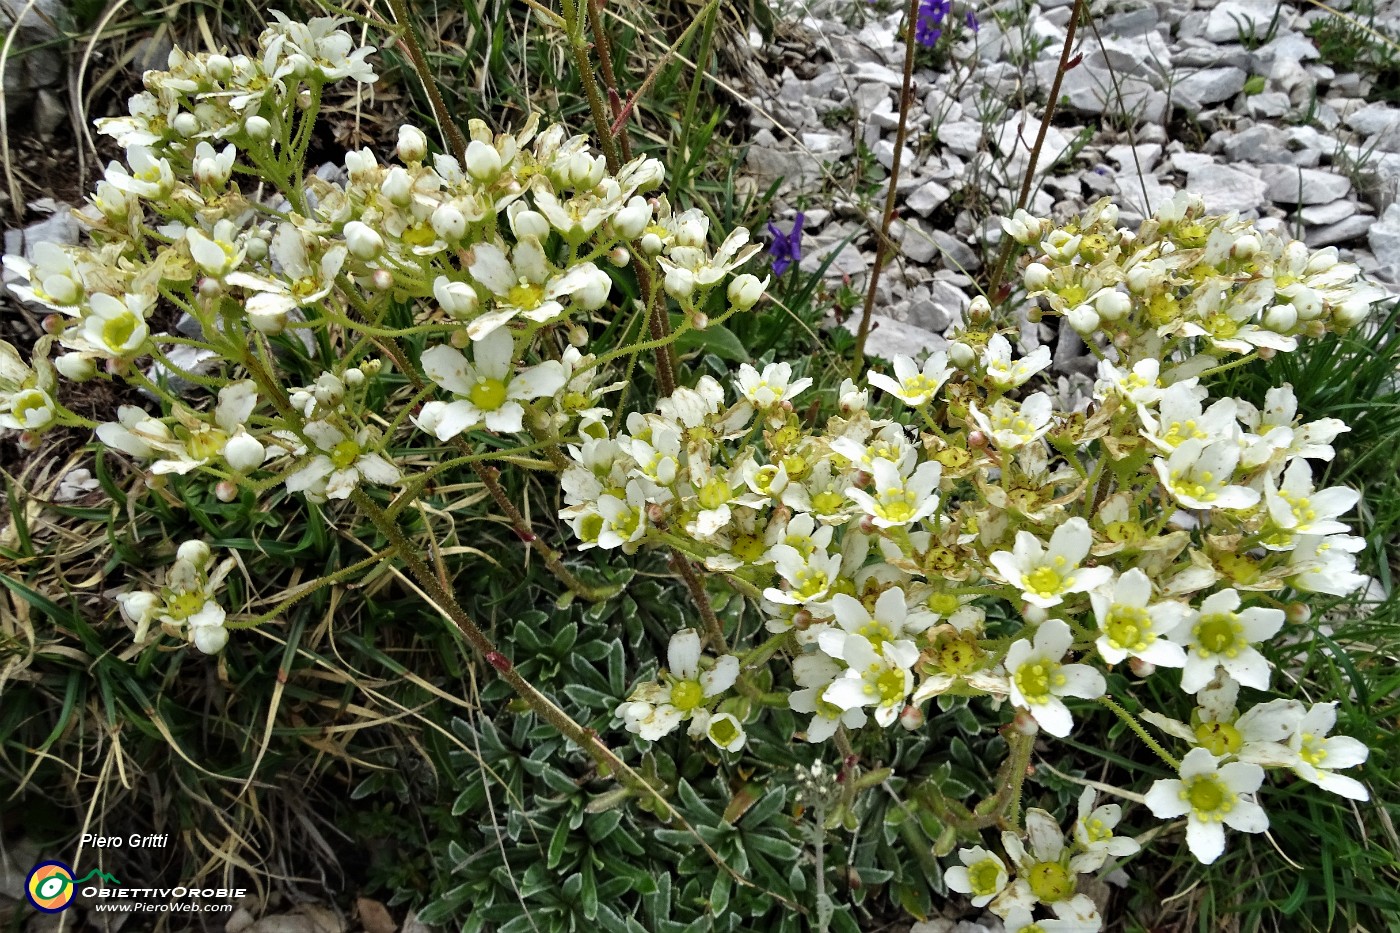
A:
(50, 886)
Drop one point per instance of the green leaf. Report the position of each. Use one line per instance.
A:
(716, 339)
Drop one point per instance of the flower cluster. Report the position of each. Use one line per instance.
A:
(185, 607)
(291, 315)
(1154, 531)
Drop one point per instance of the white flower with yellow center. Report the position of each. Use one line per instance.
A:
(1140, 385)
(658, 454)
(1222, 730)
(1181, 418)
(622, 521)
(1039, 678)
(1043, 873)
(55, 278)
(813, 674)
(303, 281)
(525, 284)
(891, 622)
(1327, 564)
(197, 440)
(809, 577)
(340, 464)
(1002, 372)
(1294, 504)
(114, 327)
(218, 254)
(488, 392)
(1012, 426)
(1227, 320)
(1316, 756)
(771, 387)
(1217, 636)
(1198, 476)
(26, 400)
(1022, 920)
(1131, 625)
(881, 679)
(1211, 796)
(1093, 834)
(1046, 576)
(912, 384)
(150, 178)
(981, 876)
(899, 501)
(684, 693)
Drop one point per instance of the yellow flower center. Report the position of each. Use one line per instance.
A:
(525, 295)
(810, 583)
(488, 394)
(1210, 799)
(984, 878)
(345, 453)
(1047, 581)
(185, 605)
(942, 603)
(1221, 324)
(748, 548)
(1036, 678)
(1219, 634)
(953, 458)
(1051, 882)
(206, 442)
(714, 494)
(828, 502)
(118, 330)
(590, 527)
(420, 234)
(958, 656)
(1219, 738)
(1128, 628)
(1314, 749)
(1096, 830)
(723, 731)
(686, 695)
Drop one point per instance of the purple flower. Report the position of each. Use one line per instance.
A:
(929, 26)
(787, 247)
(972, 21)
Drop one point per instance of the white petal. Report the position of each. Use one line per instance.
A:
(1165, 801)
(683, 654)
(720, 677)
(448, 368)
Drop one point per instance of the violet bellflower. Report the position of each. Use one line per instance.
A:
(929, 26)
(787, 247)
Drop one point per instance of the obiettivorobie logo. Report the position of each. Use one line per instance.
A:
(50, 886)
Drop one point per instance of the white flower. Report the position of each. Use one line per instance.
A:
(1140, 386)
(1326, 564)
(1219, 729)
(899, 501)
(488, 392)
(656, 709)
(1218, 636)
(813, 674)
(1198, 476)
(1004, 374)
(1316, 756)
(623, 520)
(1180, 418)
(1045, 577)
(1039, 680)
(135, 433)
(726, 732)
(890, 622)
(1209, 794)
(1132, 626)
(879, 679)
(302, 281)
(982, 875)
(1013, 426)
(216, 255)
(525, 284)
(774, 385)
(1093, 834)
(1295, 506)
(1044, 873)
(809, 577)
(113, 327)
(913, 385)
(340, 465)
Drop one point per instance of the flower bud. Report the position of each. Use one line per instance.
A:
(867, 525)
(243, 452)
(1036, 276)
(976, 440)
(1267, 353)
(460, 339)
(219, 67)
(258, 128)
(691, 232)
(271, 324)
(54, 324)
(381, 280)
(911, 718)
(413, 144)
(1113, 305)
(699, 320)
(483, 162)
(633, 218)
(76, 366)
(225, 490)
(745, 290)
(979, 311)
(1352, 312)
(680, 283)
(398, 187)
(1280, 319)
(1141, 668)
(593, 294)
(961, 355)
(1084, 319)
(578, 335)
(1024, 723)
(255, 248)
(652, 244)
(193, 552)
(1245, 247)
(1034, 615)
(618, 256)
(185, 123)
(656, 513)
(458, 299)
(209, 288)
(362, 241)
(1297, 613)
(209, 639)
(449, 223)
(1140, 278)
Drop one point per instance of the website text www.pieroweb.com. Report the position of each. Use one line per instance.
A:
(53, 887)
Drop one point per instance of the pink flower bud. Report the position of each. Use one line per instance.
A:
(226, 491)
(911, 718)
(1141, 668)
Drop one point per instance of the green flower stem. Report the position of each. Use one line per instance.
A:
(578, 46)
(456, 141)
(882, 243)
(310, 588)
(1225, 367)
(586, 739)
(1131, 722)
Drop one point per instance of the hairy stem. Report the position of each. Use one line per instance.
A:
(455, 139)
(906, 100)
